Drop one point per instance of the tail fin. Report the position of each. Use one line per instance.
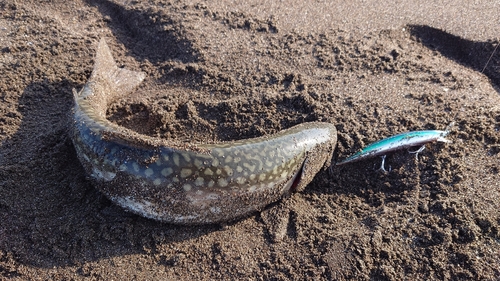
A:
(122, 80)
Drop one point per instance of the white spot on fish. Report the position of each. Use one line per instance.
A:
(167, 172)
(222, 182)
(240, 180)
(219, 152)
(148, 172)
(249, 167)
(175, 157)
(228, 170)
(198, 163)
(275, 170)
(211, 183)
(105, 175)
(262, 177)
(186, 157)
(135, 166)
(199, 181)
(186, 173)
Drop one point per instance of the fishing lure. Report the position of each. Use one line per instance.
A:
(400, 141)
(187, 183)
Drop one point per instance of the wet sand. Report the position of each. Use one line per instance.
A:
(226, 71)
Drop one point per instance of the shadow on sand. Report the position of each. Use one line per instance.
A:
(480, 56)
(51, 215)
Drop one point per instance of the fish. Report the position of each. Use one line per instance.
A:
(187, 183)
(397, 142)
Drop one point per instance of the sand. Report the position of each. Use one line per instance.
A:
(226, 71)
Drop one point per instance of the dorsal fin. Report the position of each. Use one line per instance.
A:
(122, 80)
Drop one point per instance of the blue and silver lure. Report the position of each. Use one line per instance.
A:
(400, 141)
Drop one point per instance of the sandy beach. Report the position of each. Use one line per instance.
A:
(225, 71)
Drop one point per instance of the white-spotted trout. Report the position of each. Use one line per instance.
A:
(188, 183)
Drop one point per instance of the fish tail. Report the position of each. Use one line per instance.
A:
(121, 81)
